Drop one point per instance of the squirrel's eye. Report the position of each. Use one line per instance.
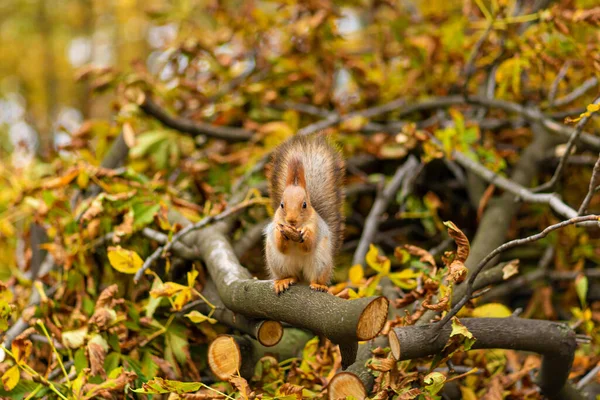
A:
(304, 205)
(281, 204)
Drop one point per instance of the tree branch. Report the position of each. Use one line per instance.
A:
(381, 203)
(554, 341)
(344, 322)
(193, 128)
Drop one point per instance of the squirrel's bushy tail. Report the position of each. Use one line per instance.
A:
(323, 170)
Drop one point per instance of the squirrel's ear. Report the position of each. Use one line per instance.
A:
(295, 175)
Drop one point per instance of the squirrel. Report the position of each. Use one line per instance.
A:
(306, 190)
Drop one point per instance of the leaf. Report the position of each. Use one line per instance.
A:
(590, 109)
(492, 310)
(11, 378)
(434, 382)
(404, 279)
(21, 350)
(381, 264)
(160, 385)
(167, 289)
(461, 240)
(424, 256)
(356, 274)
(241, 385)
(197, 317)
(153, 302)
(581, 286)
(62, 180)
(457, 272)
(459, 329)
(143, 214)
(126, 261)
(510, 269)
(74, 339)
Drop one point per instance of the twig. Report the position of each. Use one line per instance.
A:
(559, 77)
(563, 161)
(588, 377)
(179, 248)
(593, 188)
(193, 127)
(379, 207)
(469, 67)
(520, 191)
(506, 246)
(577, 93)
(198, 225)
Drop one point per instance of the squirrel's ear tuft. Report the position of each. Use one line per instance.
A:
(295, 175)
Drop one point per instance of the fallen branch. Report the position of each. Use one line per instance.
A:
(381, 203)
(554, 341)
(267, 333)
(193, 128)
(344, 322)
(228, 354)
(506, 246)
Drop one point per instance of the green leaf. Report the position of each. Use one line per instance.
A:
(434, 382)
(80, 359)
(143, 214)
(159, 386)
(581, 286)
(177, 343)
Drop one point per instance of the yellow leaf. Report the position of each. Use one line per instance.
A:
(467, 393)
(21, 350)
(62, 180)
(184, 297)
(126, 261)
(191, 277)
(379, 263)
(11, 378)
(197, 317)
(167, 289)
(356, 274)
(492, 310)
(404, 279)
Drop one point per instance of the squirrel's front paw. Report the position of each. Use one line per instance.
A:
(290, 233)
(281, 285)
(318, 287)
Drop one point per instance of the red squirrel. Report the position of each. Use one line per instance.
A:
(307, 194)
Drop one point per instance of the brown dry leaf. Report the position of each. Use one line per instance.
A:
(424, 255)
(103, 318)
(241, 385)
(94, 209)
(485, 198)
(494, 390)
(96, 355)
(510, 269)
(289, 389)
(457, 272)
(462, 253)
(62, 180)
(442, 304)
(125, 228)
(382, 364)
(106, 297)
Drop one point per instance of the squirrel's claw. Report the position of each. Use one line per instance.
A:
(281, 285)
(318, 287)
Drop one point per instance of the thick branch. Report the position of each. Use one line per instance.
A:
(229, 354)
(268, 333)
(554, 341)
(342, 321)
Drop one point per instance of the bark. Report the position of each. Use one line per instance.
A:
(267, 333)
(554, 341)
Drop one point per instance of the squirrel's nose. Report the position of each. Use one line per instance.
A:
(292, 222)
